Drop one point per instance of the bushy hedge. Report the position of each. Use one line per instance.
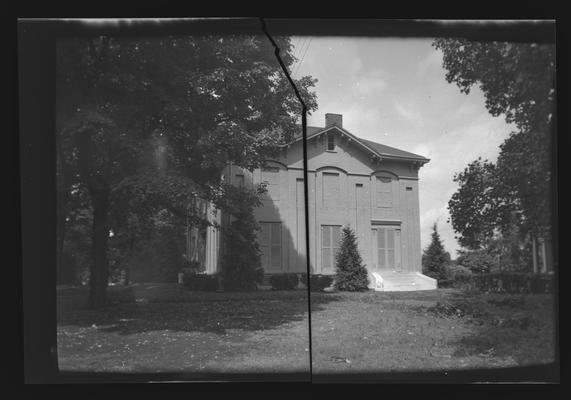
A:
(501, 282)
(317, 282)
(284, 281)
(510, 282)
(455, 276)
(320, 282)
(200, 282)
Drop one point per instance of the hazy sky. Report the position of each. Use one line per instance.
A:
(393, 91)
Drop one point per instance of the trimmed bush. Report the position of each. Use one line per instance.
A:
(303, 279)
(201, 282)
(320, 282)
(456, 276)
(284, 281)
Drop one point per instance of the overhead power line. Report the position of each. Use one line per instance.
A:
(304, 53)
(297, 51)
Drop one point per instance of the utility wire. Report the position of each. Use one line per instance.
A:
(305, 189)
(303, 56)
(297, 52)
(301, 61)
(295, 44)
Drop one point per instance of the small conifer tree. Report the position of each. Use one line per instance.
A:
(435, 258)
(241, 261)
(351, 274)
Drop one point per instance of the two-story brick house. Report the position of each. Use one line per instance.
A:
(371, 187)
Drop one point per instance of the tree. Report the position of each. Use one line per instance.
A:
(144, 124)
(480, 205)
(518, 81)
(485, 215)
(478, 261)
(525, 177)
(435, 258)
(241, 260)
(350, 272)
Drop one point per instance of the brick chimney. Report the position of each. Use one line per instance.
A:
(333, 119)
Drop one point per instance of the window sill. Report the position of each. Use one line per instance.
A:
(331, 151)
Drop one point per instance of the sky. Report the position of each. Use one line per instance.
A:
(393, 91)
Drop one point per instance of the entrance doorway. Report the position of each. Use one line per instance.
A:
(386, 245)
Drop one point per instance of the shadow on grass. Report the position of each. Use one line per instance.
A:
(526, 334)
(130, 312)
(519, 327)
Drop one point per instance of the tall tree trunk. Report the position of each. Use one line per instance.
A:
(62, 268)
(99, 192)
(127, 280)
(62, 202)
(99, 273)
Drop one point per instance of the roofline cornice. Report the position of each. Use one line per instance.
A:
(422, 160)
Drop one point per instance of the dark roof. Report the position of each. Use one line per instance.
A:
(391, 151)
(310, 131)
(381, 149)
(313, 129)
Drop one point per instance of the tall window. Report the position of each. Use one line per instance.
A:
(270, 240)
(271, 176)
(384, 191)
(331, 189)
(330, 238)
(331, 143)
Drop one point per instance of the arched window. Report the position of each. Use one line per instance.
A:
(240, 180)
(271, 177)
(331, 189)
(384, 190)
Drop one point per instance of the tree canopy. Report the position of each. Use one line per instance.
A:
(143, 124)
(480, 204)
(518, 82)
(517, 79)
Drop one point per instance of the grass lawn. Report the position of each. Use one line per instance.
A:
(165, 327)
(435, 330)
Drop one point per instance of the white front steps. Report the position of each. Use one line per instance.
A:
(394, 281)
